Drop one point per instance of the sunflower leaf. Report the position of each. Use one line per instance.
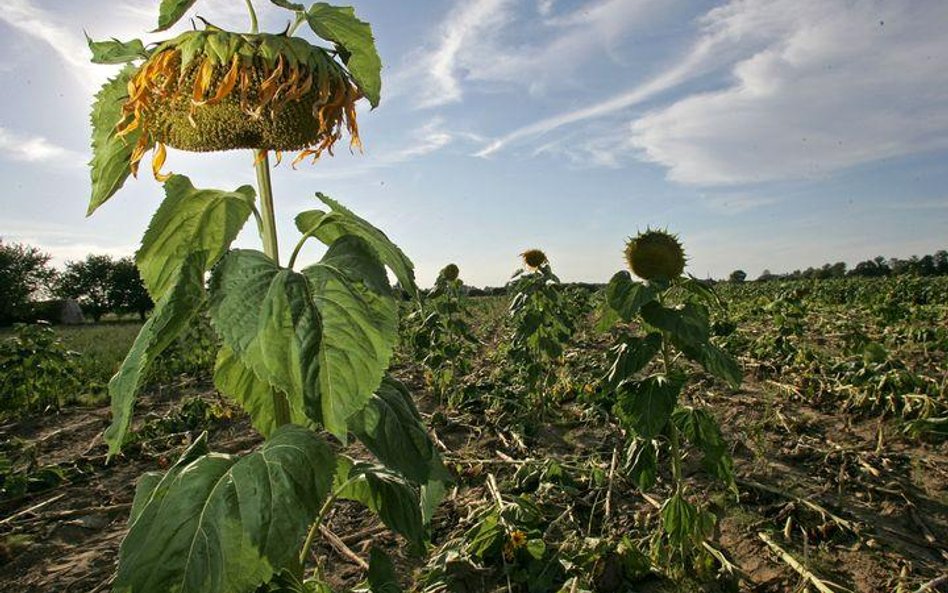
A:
(223, 524)
(114, 51)
(171, 12)
(235, 379)
(173, 312)
(394, 499)
(289, 5)
(392, 429)
(356, 43)
(360, 327)
(188, 220)
(327, 227)
(111, 155)
(267, 316)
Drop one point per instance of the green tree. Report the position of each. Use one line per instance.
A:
(24, 273)
(89, 282)
(126, 291)
(738, 276)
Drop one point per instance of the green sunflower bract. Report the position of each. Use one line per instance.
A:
(215, 90)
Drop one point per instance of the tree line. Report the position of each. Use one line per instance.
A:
(935, 264)
(99, 283)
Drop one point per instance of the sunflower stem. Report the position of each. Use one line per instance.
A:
(672, 429)
(268, 231)
(254, 28)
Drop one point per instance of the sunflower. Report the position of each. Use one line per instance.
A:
(533, 258)
(655, 255)
(450, 272)
(215, 90)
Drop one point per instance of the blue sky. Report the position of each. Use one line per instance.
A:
(769, 134)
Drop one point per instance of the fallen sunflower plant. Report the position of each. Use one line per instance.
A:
(303, 352)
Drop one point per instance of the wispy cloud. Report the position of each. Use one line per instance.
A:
(31, 20)
(828, 85)
(698, 60)
(36, 149)
(469, 24)
(490, 43)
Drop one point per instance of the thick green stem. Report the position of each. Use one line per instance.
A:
(262, 165)
(253, 17)
(672, 429)
(281, 407)
(314, 529)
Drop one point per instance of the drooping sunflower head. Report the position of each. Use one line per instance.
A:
(216, 90)
(655, 255)
(533, 258)
(450, 272)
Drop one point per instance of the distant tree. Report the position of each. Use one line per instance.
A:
(737, 276)
(941, 262)
(766, 276)
(24, 275)
(926, 266)
(127, 292)
(89, 282)
(871, 268)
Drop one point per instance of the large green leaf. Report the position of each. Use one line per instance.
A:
(235, 379)
(684, 523)
(327, 227)
(114, 51)
(359, 330)
(631, 356)
(687, 324)
(702, 431)
(392, 429)
(642, 462)
(111, 155)
(171, 12)
(172, 315)
(720, 364)
(267, 316)
(381, 576)
(385, 493)
(190, 220)
(626, 297)
(646, 406)
(355, 42)
(223, 524)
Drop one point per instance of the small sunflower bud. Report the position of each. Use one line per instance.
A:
(655, 255)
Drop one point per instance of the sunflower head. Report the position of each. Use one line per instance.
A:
(655, 255)
(216, 90)
(533, 258)
(450, 272)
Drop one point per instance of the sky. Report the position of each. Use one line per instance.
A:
(775, 134)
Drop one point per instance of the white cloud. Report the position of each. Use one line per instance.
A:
(829, 85)
(494, 42)
(436, 68)
(29, 19)
(35, 149)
